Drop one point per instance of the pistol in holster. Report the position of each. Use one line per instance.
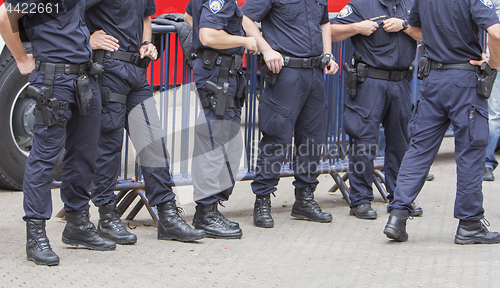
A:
(424, 67)
(47, 107)
(220, 102)
(485, 79)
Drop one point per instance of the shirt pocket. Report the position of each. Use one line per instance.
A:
(289, 9)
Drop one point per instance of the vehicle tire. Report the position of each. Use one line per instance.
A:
(16, 123)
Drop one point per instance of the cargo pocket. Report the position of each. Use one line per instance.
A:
(478, 126)
(354, 117)
(273, 117)
(112, 117)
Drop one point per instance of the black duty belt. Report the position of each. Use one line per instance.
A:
(387, 74)
(129, 57)
(293, 62)
(63, 68)
(455, 66)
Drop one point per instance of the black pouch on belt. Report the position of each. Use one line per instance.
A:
(83, 94)
(485, 79)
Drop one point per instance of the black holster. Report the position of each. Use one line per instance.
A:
(241, 93)
(221, 100)
(351, 80)
(485, 79)
(47, 107)
(424, 67)
(269, 76)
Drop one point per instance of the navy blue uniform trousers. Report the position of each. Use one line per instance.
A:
(295, 107)
(79, 138)
(218, 144)
(140, 117)
(377, 101)
(448, 96)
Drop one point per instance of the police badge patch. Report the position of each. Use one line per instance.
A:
(487, 3)
(346, 11)
(216, 5)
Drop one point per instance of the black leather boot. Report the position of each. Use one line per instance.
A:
(171, 226)
(363, 211)
(475, 232)
(208, 218)
(417, 210)
(38, 247)
(396, 225)
(80, 231)
(111, 227)
(262, 212)
(306, 208)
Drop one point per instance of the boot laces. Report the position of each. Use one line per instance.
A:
(88, 225)
(114, 220)
(41, 240)
(311, 202)
(263, 205)
(219, 217)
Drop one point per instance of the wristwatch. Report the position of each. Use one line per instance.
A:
(145, 43)
(405, 25)
(330, 56)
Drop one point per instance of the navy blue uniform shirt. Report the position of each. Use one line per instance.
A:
(291, 27)
(223, 15)
(57, 37)
(122, 19)
(450, 28)
(389, 51)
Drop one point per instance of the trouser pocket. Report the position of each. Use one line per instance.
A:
(478, 126)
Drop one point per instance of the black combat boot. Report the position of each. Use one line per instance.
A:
(262, 212)
(475, 232)
(111, 227)
(171, 226)
(306, 208)
(396, 225)
(80, 231)
(208, 218)
(417, 210)
(363, 211)
(37, 244)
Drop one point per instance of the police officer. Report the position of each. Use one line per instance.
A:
(450, 94)
(380, 73)
(121, 42)
(67, 114)
(493, 122)
(220, 41)
(296, 46)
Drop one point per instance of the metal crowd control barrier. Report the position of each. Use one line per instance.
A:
(178, 107)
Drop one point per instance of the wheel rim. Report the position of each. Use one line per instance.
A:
(22, 121)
